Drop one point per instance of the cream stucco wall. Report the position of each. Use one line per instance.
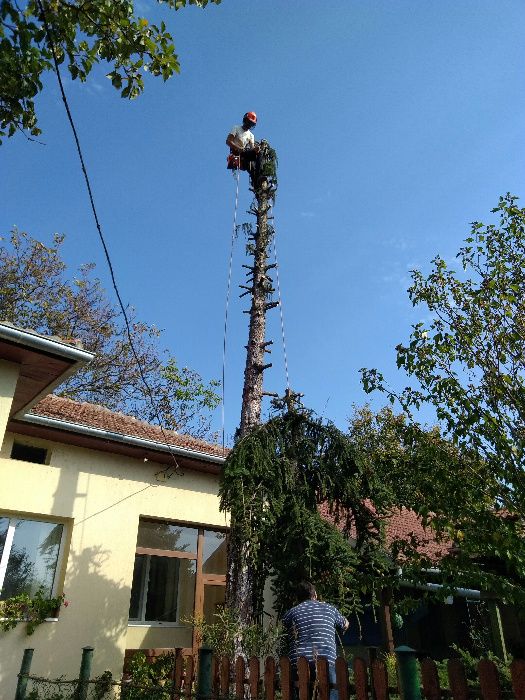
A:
(100, 498)
(8, 378)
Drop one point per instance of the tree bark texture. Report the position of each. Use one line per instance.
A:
(261, 285)
(242, 583)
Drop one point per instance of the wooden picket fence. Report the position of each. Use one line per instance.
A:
(275, 680)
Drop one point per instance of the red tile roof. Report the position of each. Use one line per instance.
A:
(401, 524)
(404, 524)
(95, 416)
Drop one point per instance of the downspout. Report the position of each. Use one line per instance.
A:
(470, 593)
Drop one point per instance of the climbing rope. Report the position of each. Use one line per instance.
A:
(280, 302)
(236, 174)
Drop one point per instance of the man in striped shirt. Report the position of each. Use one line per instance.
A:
(311, 630)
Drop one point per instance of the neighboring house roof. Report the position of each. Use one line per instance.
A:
(95, 416)
(44, 363)
(404, 524)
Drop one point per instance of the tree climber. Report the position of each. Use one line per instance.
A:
(243, 147)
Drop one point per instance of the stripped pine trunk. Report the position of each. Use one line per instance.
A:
(240, 593)
(261, 287)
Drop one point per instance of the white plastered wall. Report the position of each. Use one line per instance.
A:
(99, 497)
(8, 379)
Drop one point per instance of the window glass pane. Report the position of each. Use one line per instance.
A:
(186, 589)
(214, 597)
(137, 586)
(4, 524)
(214, 556)
(157, 535)
(171, 589)
(28, 453)
(33, 558)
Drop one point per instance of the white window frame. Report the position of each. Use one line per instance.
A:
(144, 585)
(8, 545)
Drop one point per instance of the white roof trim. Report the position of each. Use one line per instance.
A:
(89, 431)
(54, 346)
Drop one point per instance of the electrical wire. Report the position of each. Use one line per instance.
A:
(228, 288)
(102, 240)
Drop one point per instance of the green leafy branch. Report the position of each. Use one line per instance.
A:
(33, 610)
(82, 33)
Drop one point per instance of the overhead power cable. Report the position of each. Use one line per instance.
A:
(102, 240)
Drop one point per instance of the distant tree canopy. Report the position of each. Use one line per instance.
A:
(454, 491)
(468, 363)
(37, 293)
(83, 33)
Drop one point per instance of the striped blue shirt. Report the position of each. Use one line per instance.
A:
(311, 630)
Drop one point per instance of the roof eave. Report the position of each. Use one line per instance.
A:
(131, 440)
(48, 345)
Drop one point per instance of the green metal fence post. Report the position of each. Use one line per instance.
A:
(21, 685)
(408, 673)
(204, 689)
(84, 673)
(496, 627)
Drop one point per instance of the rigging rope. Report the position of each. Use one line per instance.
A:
(228, 288)
(280, 302)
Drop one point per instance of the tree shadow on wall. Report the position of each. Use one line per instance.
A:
(97, 616)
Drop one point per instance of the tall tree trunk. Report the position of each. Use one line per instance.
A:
(261, 289)
(242, 588)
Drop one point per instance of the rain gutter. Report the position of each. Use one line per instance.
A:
(470, 593)
(48, 345)
(45, 421)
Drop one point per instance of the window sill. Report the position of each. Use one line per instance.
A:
(137, 623)
(47, 619)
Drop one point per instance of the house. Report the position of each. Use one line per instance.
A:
(120, 516)
(123, 518)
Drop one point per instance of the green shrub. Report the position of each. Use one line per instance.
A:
(226, 632)
(149, 680)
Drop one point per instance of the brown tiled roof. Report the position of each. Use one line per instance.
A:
(94, 416)
(403, 524)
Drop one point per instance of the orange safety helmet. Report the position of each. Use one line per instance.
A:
(251, 117)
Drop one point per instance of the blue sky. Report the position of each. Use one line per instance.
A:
(396, 122)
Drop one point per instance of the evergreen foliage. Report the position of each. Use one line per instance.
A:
(275, 482)
(268, 164)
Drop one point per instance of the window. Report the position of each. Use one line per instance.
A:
(29, 453)
(29, 551)
(180, 571)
